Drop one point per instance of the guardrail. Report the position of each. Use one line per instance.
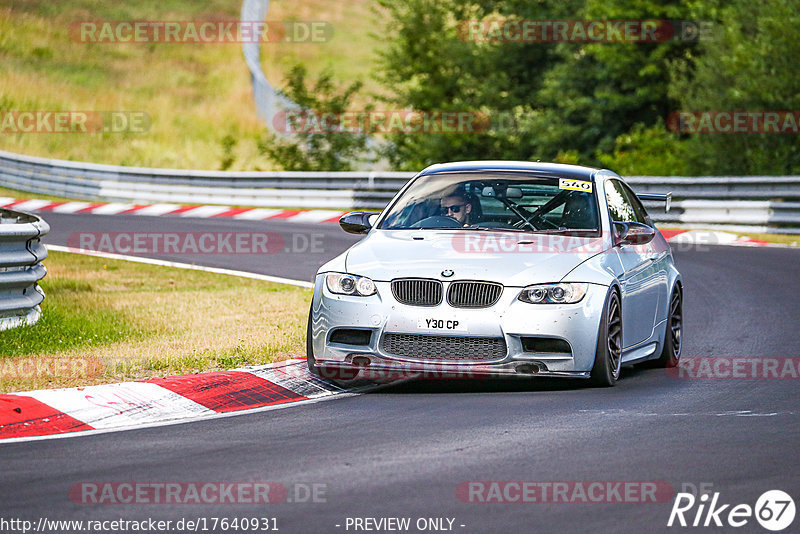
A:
(751, 203)
(334, 190)
(21, 254)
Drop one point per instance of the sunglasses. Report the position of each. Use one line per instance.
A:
(455, 209)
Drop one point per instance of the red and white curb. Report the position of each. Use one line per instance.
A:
(715, 237)
(699, 237)
(173, 210)
(159, 401)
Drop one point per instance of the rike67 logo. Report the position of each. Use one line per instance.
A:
(774, 510)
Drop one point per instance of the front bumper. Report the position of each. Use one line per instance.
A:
(509, 319)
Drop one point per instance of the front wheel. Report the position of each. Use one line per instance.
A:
(608, 357)
(673, 337)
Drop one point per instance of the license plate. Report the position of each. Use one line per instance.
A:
(447, 324)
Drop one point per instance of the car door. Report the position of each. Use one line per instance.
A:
(659, 253)
(640, 281)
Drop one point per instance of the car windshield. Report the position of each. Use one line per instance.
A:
(505, 201)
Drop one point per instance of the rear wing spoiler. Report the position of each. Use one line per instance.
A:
(658, 197)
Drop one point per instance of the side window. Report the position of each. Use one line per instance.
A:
(618, 203)
(638, 207)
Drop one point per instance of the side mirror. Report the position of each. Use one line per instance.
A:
(633, 233)
(357, 222)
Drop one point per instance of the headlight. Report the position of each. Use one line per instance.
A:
(566, 293)
(349, 284)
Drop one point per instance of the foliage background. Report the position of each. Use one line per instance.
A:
(601, 104)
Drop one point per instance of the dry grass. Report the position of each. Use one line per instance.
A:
(784, 239)
(351, 53)
(127, 321)
(195, 94)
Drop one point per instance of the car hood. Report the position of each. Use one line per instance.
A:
(513, 259)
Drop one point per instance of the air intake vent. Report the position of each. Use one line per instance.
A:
(417, 291)
(474, 294)
(444, 348)
(545, 344)
(351, 336)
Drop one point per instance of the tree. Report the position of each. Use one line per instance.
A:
(561, 98)
(648, 151)
(315, 140)
(600, 90)
(432, 65)
(749, 65)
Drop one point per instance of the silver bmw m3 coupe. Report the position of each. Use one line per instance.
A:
(500, 268)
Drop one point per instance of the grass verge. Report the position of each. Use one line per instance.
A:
(107, 321)
(198, 96)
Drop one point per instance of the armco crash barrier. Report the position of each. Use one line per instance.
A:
(21, 254)
(737, 203)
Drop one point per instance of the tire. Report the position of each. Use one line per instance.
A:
(673, 337)
(312, 363)
(608, 357)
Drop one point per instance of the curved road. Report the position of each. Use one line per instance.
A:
(404, 450)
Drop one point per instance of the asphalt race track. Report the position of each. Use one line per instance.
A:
(303, 247)
(404, 450)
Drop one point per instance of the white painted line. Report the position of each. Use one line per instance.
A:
(205, 211)
(257, 214)
(32, 205)
(112, 208)
(151, 261)
(5, 201)
(157, 209)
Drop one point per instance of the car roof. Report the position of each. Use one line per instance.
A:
(560, 169)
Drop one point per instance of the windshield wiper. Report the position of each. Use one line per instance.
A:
(567, 230)
(495, 229)
(524, 231)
